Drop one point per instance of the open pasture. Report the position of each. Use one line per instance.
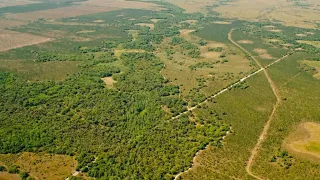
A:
(82, 8)
(6, 3)
(305, 141)
(11, 40)
(315, 65)
(33, 71)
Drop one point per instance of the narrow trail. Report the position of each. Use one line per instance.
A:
(266, 127)
(264, 133)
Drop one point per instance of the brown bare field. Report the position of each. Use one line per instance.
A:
(6, 3)
(108, 81)
(83, 8)
(193, 6)
(4, 23)
(305, 141)
(11, 40)
(263, 53)
(280, 10)
(151, 26)
(42, 165)
(245, 42)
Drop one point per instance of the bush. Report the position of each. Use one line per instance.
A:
(14, 169)
(2, 168)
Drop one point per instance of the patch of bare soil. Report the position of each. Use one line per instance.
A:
(211, 55)
(4, 23)
(108, 81)
(222, 22)
(155, 20)
(275, 30)
(245, 42)
(11, 40)
(263, 53)
(98, 21)
(186, 32)
(215, 45)
(6, 3)
(301, 35)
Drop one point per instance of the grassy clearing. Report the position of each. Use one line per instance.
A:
(33, 71)
(246, 111)
(315, 65)
(305, 141)
(313, 43)
(299, 91)
(41, 165)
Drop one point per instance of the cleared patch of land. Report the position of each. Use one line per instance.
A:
(83, 8)
(11, 40)
(245, 42)
(305, 141)
(193, 6)
(263, 53)
(54, 70)
(4, 23)
(108, 81)
(42, 165)
(288, 12)
(7, 3)
(8, 176)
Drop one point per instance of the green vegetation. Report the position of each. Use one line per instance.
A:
(54, 99)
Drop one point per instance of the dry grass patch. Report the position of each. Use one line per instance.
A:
(4, 23)
(314, 64)
(194, 5)
(11, 40)
(118, 52)
(313, 43)
(263, 53)
(108, 81)
(275, 30)
(190, 21)
(245, 42)
(98, 21)
(42, 165)
(6, 3)
(305, 141)
(83, 8)
(32, 71)
(272, 40)
(151, 26)
(222, 22)
(301, 35)
(211, 55)
(7, 176)
(155, 20)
